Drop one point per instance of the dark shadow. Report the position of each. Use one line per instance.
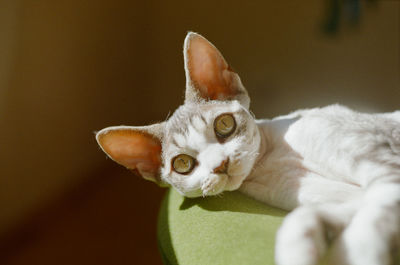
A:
(164, 235)
(232, 201)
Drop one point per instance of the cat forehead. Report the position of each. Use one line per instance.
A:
(205, 110)
(187, 125)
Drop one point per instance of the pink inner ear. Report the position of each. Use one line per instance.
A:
(209, 71)
(133, 149)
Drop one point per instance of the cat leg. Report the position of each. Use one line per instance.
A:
(306, 232)
(301, 238)
(328, 206)
(373, 235)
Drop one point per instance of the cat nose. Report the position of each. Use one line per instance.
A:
(222, 168)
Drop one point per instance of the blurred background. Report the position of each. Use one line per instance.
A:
(69, 68)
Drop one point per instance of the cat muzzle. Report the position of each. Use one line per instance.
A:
(222, 168)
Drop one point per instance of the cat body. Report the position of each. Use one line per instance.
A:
(337, 168)
(322, 155)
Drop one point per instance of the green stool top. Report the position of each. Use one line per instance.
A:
(227, 229)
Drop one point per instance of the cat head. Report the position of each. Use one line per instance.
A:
(208, 145)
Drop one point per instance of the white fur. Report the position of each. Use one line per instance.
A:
(335, 165)
(338, 169)
(331, 156)
(197, 138)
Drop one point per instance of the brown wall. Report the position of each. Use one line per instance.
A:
(68, 68)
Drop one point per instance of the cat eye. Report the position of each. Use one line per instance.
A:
(183, 164)
(224, 125)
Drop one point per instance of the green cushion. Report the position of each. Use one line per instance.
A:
(227, 229)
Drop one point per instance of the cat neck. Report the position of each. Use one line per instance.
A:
(265, 146)
(272, 133)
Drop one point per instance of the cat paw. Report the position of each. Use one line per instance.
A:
(357, 246)
(300, 240)
(372, 238)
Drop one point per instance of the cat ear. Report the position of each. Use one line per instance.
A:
(208, 75)
(136, 148)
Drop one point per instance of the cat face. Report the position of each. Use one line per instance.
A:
(222, 141)
(208, 145)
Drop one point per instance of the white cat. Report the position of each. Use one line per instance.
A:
(339, 169)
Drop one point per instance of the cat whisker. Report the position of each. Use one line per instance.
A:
(220, 195)
(168, 115)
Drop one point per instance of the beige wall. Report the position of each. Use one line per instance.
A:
(71, 67)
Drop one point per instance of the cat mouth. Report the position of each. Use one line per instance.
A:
(215, 184)
(223, 167)
(221, 179)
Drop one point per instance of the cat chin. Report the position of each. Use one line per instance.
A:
(234, 184)
(214, 184)
(226, 183)
(238, 172)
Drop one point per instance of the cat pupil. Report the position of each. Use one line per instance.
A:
(224, 125)
(183, 163)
